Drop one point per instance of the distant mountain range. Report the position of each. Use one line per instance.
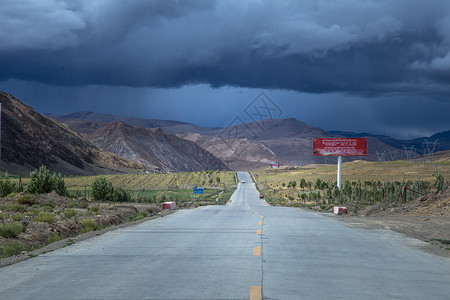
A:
(245, 146)
(96, 143)
(443, 140)
(154, 148)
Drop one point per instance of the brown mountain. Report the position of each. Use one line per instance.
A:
(237, 154)
(30, 139)
(154, 148)
(289, 139)
(86, 122)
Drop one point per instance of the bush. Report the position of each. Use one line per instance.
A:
(13, 249)
(7, 187)
(120, 195)
(42, 182)
(54, 238)
(27, 200)
(102, 190)
(140, 215)
(83, 204)
(69, 213)
(45, 217)
(11, 229)
(93, 209)
(89, 225)
(16, 208)
(18, 217)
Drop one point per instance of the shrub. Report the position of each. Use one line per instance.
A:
(42, 182)
(89, 225)
(7, 187)
(54, 238)
(69, 213)
(102, 190)
(73, 204)
(13, 249)
(120, 195)
(18, 217)
(16, 208)
(140, 215)
(11, 229)
(27, 200)
(93, 209)
(83, 204)
(45, 217)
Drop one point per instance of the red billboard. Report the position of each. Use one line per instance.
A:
(340, 147)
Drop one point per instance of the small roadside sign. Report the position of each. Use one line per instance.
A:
(198, 191)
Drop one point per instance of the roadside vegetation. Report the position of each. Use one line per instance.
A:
(364, 184)
(45, 208)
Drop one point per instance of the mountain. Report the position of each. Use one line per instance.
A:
(443, 140)
(86, 122)
(154, 148)
(30, 139)
(237, 154)
(285, 140)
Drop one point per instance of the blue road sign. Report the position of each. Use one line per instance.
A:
(199, 191)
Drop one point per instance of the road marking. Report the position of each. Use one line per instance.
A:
(258, 231)
(260, 223)
(262, 217)
(256, 212)
(255, 292)
(257, 251)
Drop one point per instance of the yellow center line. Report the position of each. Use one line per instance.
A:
(257, 251)
(258, 231)
(256, 212)
(260, 223)
(255, 292)
(262, 217)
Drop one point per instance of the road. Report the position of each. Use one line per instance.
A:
(245, 250)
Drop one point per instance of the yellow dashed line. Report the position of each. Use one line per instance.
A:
(260, 223)
(262, 217)
(256, 212)
(257, 251)
(258, 231)
(255, 292)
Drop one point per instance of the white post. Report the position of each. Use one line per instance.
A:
(339, 172)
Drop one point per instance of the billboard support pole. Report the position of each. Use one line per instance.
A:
(339, 172)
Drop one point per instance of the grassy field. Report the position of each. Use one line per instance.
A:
(156, 188)
(183, 180)
(367, 182)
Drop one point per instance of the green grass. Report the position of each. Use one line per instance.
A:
(54, 238)
(44, 217)
(10, 229)
(89, 225)
(26, 200)
(15, 208)
(70, 213)
(13, 248)
(140, 215)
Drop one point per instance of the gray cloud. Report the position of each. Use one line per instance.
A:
(357, 47)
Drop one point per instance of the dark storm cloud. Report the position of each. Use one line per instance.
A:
(359, 47)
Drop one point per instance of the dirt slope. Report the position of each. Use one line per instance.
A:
(154, 148)
(30, 139)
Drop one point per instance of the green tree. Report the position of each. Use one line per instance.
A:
(102, 190)
(7, 187)
(42, 182)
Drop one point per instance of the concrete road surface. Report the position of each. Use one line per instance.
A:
(245, 250)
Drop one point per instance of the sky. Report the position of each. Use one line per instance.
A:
(351, 65)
